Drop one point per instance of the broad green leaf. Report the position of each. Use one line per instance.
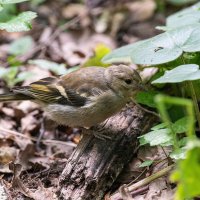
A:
(184, 17)
(120, 55)
(58, 69)
(9, 75)
(13, 61)
(146, 163)
(99, 52)
(147, 98)
(159, 126)
(9, 11)
(160, 135)
(22, 76)
(178, 154)
(1, 7)
(11, 1)
(21, 46)
(187, 174)
(22, 22)
(181, 125)
(183, 141)
(179, 74)
(2, 72)
(160, 49)
(157, 137)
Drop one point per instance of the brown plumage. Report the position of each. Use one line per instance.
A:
(84, 97)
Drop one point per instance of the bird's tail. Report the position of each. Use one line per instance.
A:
(13, 97)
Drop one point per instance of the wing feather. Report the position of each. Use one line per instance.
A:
(74, 89)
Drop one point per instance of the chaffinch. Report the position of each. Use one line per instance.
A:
(82, 98)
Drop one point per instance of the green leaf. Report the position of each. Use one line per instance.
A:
(119, 55)
(8, 75)
(56, 68)
(21, 46)
(11, 73)
(13, 61)
(178, 154)
(146, 163)
(11, 1)
(183, 141)
(157, 137)
(22, 22)
(146, 98)
(22, 76)
(184, 17)
(1, 7)
(52, 66)
(181, 125)
(160, 135)
(100, 51)
(2, 72)
(11, 76)
(160, 49)
(179, 74)
(159, 126)
(9, 11)
(187, 174)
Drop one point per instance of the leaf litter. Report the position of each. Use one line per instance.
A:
(69, 36)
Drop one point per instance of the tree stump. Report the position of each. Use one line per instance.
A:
(95, 163)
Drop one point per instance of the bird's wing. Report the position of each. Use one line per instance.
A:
(48, 90)
(73, 89)
(89, 81)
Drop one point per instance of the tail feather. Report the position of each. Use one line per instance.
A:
(13, 97)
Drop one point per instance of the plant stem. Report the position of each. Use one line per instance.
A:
(194, 99)
(165, 117)
(145, 181)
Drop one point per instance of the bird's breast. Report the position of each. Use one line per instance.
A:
(93, 112)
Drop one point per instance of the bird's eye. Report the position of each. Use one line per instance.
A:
(128, 81)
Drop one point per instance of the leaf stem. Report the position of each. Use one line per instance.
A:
(194, 99)
(144, 182)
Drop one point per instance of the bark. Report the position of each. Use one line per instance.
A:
(96, 163)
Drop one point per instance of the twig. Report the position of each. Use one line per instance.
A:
(43, 45)
(144, 182)
(146, 110)
(3, 130)
(61, 29)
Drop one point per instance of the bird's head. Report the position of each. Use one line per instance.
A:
(124, 80)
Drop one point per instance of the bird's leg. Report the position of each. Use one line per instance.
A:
(41, 134)
(98, 133)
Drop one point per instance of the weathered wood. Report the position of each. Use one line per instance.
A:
(95, 164)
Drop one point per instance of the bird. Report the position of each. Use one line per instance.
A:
(82, 98)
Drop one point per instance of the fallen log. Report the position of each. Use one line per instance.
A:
(96, 163)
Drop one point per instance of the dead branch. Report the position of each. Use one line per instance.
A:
(95, 164)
